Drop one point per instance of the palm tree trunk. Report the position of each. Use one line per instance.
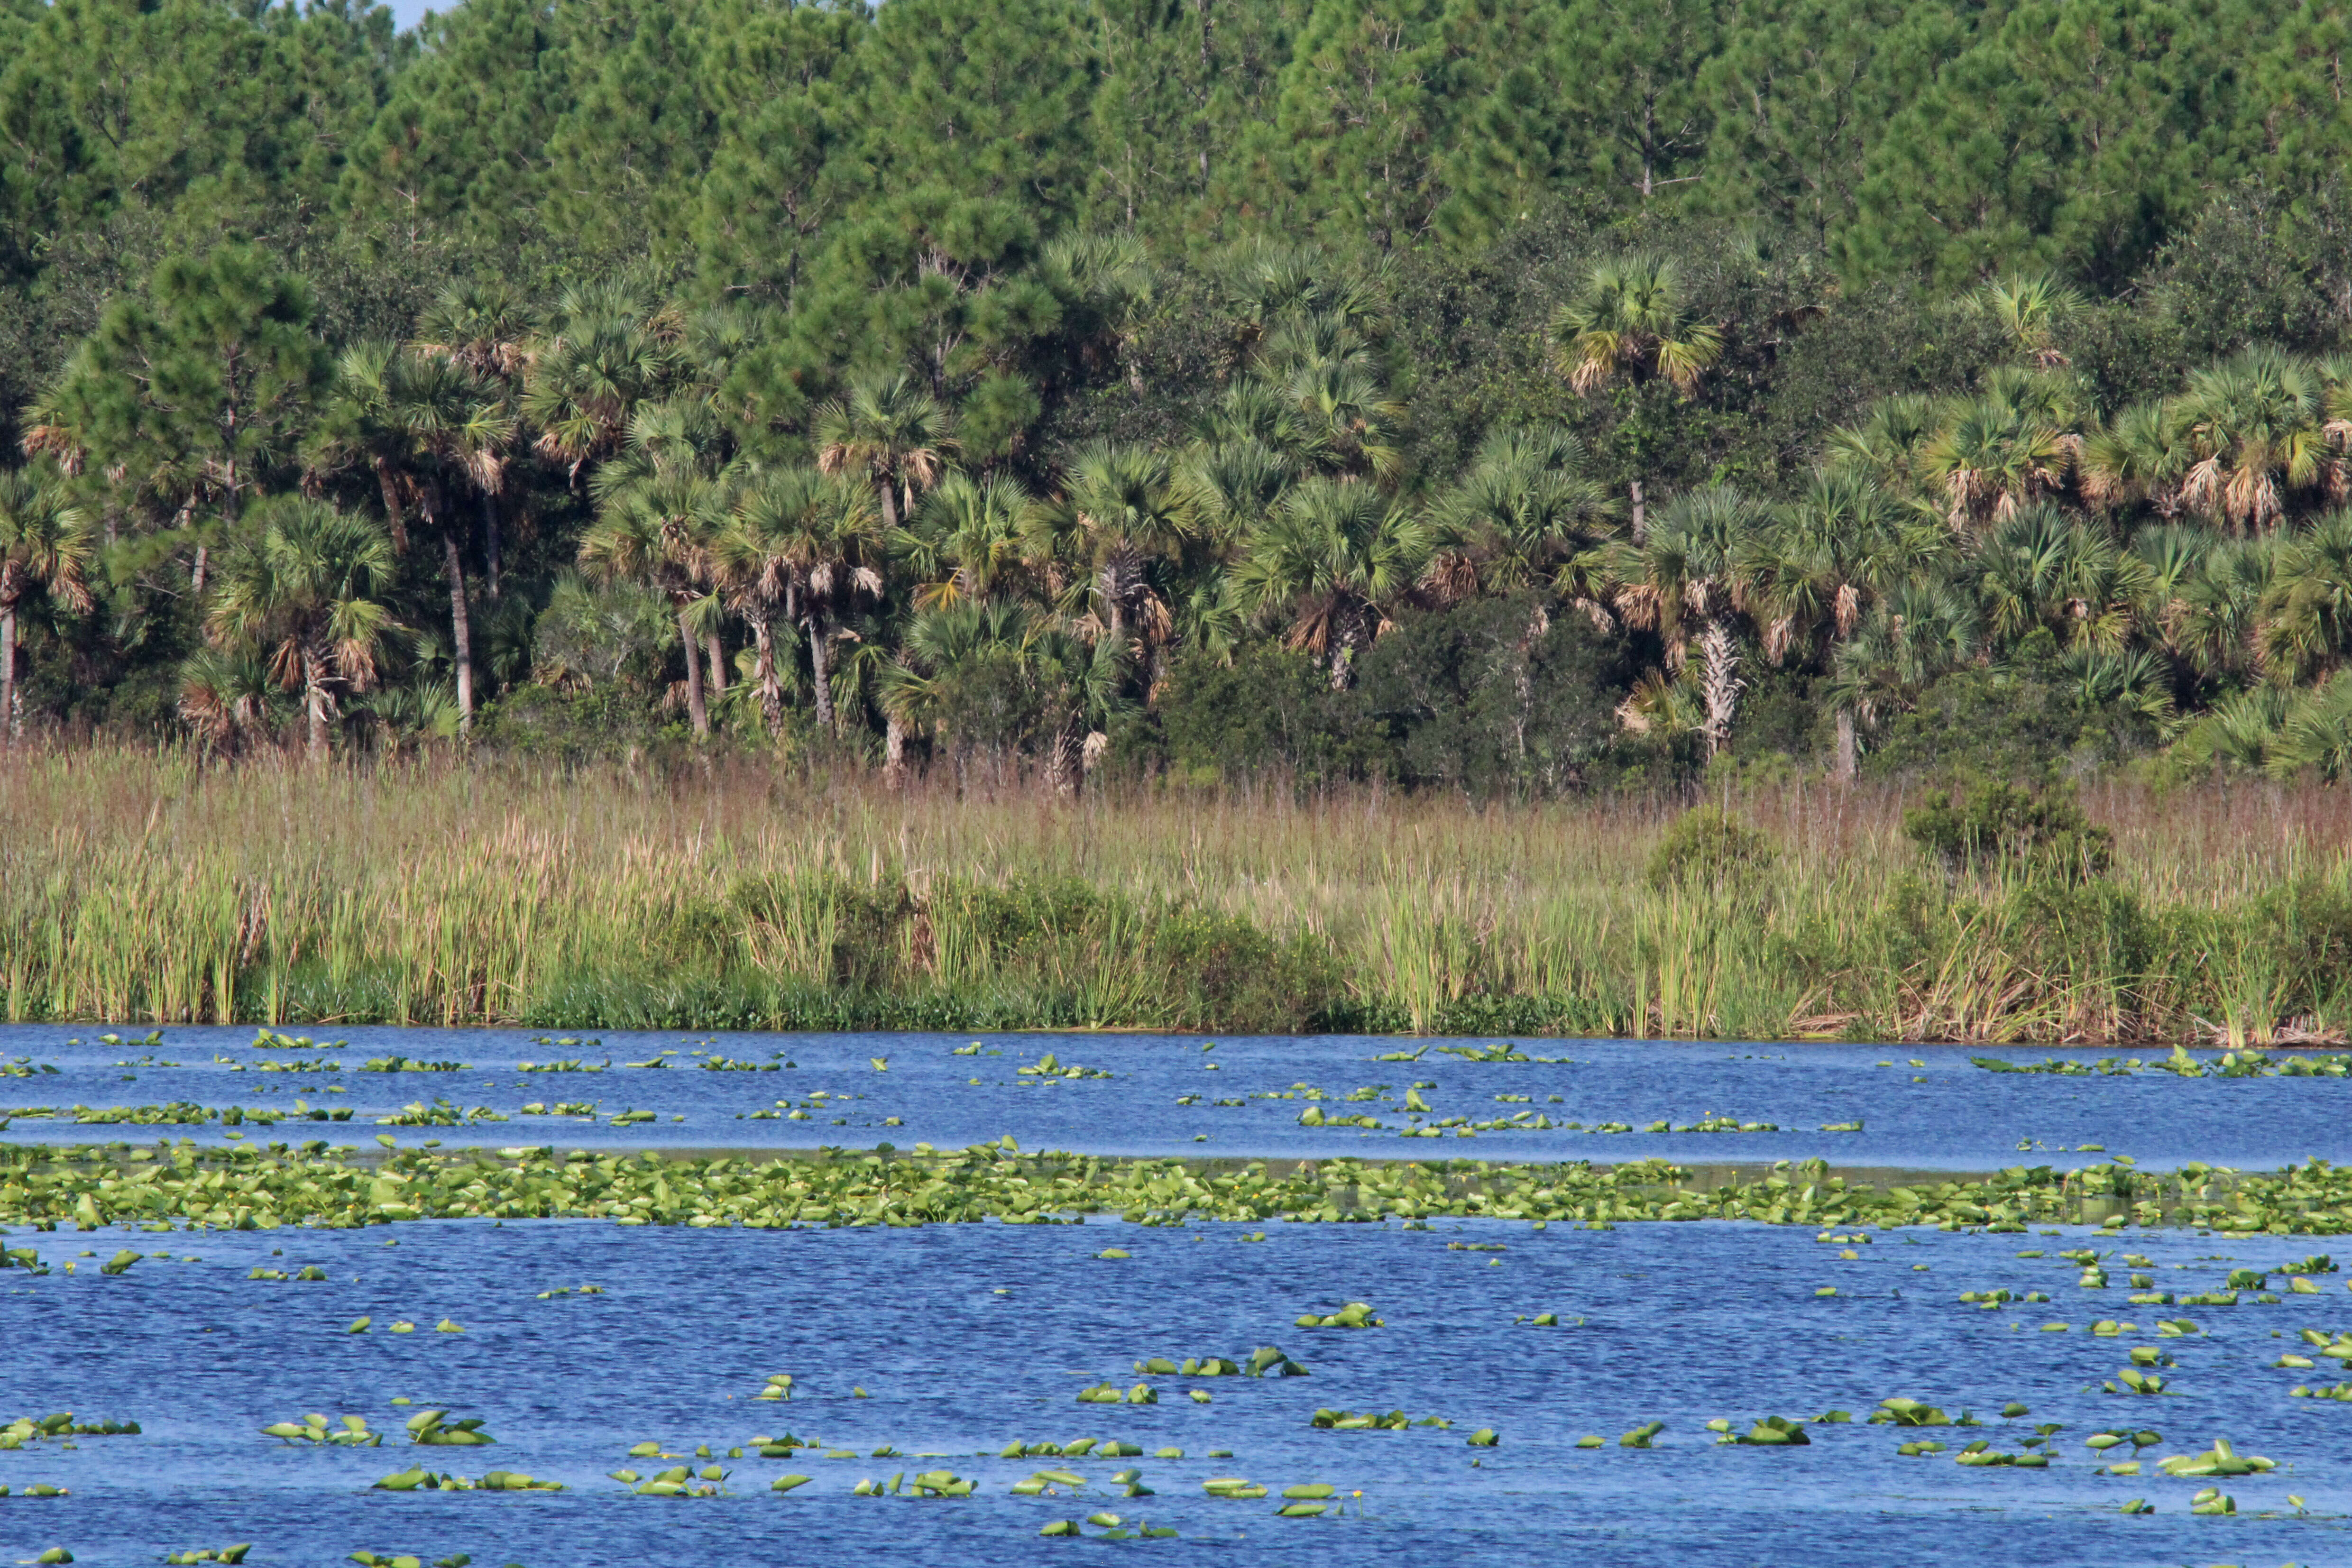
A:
(695, 710)
(9, 712)
(894, 751)
(314, 698)
(392, 512)
(1063, 759)
(718, 664)
(889, 505)
(763, 671)
(821, 671)
(1719, 683)
(491, 554)
(461, 628)
(1845, 746)
(1641, 513)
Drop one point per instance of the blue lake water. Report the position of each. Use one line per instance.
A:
(1919, 1106)
(1682, 1324)
(967, 1337)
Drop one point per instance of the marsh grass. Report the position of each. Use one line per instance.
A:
(141, 887)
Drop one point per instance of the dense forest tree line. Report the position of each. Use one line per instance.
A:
(1500, 396)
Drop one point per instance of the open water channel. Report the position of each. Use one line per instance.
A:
(924, 1349)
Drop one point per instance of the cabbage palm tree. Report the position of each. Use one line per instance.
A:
(306, 594)
(1078, 680)
(2043, 569)
(1915, 633)
(2255, 426)
(890, 433)
(609, 348)
(1631, 320)
(757, 564)
(1524, 509)
(1889, 446)
(1332, 559)
(810, 542)
(1993, 454)
(1233, 483)
(1828, 558)
(416, 423)
(45, 543)
(225, 696)
(2030, 309)
(2317, 733)
(658, 531)
(1348, 417)
(2244, 728)
(2217, 628)
(2134, 681)
(955, 666)
(487, 325)
(1127, 515)
(2143, 455)
(965, 542)
(669, 442)
(2306, 616)
(1694, 568)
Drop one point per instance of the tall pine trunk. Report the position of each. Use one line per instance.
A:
(461, 628)
(695, 710)
(1846, 745)
(894, 751)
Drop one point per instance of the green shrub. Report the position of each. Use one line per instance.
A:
(1708, 850)
(1991, 825)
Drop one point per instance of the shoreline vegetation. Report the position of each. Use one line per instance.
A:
(144, 886)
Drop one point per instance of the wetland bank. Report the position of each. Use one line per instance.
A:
(146, 888)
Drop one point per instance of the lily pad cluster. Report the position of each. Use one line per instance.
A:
(1354, 1315)
(1076, 1448)
(257, 1189)
(1771, 1432)
(421, 1479)
(678, 1480)
(2221, 1459)
(1110, 1394)
(352, 1432)
(1266, 1361)
(1351, 1421)
(1049, 1066)
(435, 1429)
(27, 1430)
